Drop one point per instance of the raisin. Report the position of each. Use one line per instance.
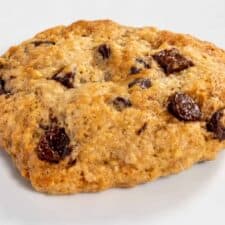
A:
(216, 125)
(121, 103)
(144, 83)
(65, 79)
(183, 107)
(105, 51)
(172, 61)
(41, 42)
(53, 145)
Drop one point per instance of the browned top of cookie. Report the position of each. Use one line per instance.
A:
(94, 104)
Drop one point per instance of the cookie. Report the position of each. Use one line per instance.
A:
(97, 105)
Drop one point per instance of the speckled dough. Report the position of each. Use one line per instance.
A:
(87, 107)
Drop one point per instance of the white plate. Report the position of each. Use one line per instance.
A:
(196, 196)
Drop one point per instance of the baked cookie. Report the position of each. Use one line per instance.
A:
(96, 105)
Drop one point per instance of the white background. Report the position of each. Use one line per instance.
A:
(196, 196)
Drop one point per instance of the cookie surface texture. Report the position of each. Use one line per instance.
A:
(97, 105)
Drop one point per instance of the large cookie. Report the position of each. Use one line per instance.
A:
(97, 105)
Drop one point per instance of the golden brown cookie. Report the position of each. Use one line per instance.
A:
(96, 105)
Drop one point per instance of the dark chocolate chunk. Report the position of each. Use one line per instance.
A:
(2, 86)
(183, 107)
(144, 83)
(71, 162)
(65, 79)
(217, 124)
(144, 63)
(53, 145)
(121, 103)
(105, 51)
(140, 64)
(41, 42)
(135, 70)
(172, 61)
(143, 128)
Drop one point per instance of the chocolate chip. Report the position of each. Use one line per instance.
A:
(144, 83)
(105, 51)
(121, 103)
(216, 125)
(2, 87)
(143, 128)
(144, 63)
(172, 61)
(3, 91)
(71, 162)
(183, 107)
(53, 145)
(135, 70)
(65, 79)
(41, 42)
(140, 64)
